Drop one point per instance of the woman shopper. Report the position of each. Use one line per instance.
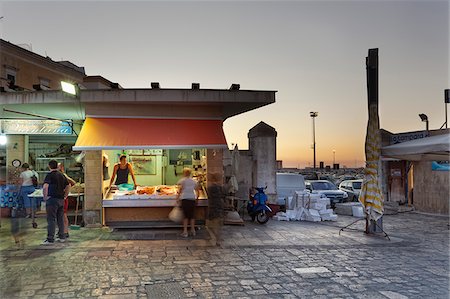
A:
(27, 187)
(188, 195)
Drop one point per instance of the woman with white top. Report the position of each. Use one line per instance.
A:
(27, 187)
(188, 194)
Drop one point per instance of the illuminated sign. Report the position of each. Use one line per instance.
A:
(35, 127)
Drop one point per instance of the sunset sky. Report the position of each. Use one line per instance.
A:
(311, 52)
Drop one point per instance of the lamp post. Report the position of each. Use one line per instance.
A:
(313, 116)
(446, 101)
(424, 118)
(334, 157)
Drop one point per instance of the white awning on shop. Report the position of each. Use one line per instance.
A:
(434, 148)
(143, 133)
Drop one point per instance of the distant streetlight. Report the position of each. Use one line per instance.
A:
(313, 116)
(446, 101)
(334, 157)
(424, 118)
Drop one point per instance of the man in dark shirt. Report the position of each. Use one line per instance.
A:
(55, 189)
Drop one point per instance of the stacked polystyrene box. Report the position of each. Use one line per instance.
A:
(307, 206)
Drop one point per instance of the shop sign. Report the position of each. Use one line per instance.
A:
(403, 137)
(35, 127)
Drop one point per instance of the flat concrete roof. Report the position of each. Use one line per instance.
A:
(232, 102)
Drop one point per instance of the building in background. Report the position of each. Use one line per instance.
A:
(412, 179)
(23, 70)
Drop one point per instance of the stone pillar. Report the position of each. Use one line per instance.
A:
(262, 145)
(214, 163)
(93, 182)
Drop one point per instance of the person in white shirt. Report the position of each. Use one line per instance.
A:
(27, 187)
(188, 194)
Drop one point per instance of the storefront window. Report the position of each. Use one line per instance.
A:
(158, 168)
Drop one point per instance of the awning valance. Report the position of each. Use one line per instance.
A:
(435, 148)
(142, 133)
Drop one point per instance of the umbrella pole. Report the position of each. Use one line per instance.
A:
(347, 226)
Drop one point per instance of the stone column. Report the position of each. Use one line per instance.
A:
(214, 163)
(93, 182)
(262, 144)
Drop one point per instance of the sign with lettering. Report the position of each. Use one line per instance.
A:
(403, 137)
(35, 127)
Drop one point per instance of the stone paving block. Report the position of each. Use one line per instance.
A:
(393, 295)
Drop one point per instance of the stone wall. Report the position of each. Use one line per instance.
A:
(431, 189)
(244, 175)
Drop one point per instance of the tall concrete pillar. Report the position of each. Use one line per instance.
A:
(93, 182)
(262, 144)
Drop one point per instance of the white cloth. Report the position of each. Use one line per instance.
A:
(188, 188)
(26, 177)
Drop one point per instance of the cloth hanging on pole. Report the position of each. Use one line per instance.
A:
(371, 196)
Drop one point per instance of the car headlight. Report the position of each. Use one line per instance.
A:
(345, 195)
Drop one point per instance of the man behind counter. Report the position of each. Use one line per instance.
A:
(122, 170)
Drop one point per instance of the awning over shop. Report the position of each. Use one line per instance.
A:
(428, 148)
(142, 133)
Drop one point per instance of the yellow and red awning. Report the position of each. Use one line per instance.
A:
(143, 133)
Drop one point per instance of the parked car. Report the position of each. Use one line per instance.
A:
(344, 178)
(352, 187)
(287, 184)
(329, 189)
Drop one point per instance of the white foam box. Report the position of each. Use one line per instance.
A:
(299, 213)
(314, 213)
(291, 214)
(313, 218)
(318, 206)
(281, 218)
(358, 211)
(326, 211)
(329, 217)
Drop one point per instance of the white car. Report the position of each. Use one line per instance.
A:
(328, 189)
(287, 184)
(352, 187)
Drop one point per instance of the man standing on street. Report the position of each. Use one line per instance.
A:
(55, 189)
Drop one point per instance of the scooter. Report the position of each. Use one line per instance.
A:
(256, 206)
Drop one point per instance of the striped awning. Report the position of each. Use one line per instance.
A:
(143, 133)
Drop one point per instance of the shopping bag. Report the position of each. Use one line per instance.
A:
(176, 215)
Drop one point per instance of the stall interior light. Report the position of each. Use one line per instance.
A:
(3, 139)
(68, 87)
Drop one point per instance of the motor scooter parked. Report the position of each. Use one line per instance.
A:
(257, 207)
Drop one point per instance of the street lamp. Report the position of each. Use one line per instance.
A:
(334, 157)
(424, 118)
(313, 116)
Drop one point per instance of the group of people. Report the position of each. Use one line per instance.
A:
(57, 184)
(55, 191)
(187, 197)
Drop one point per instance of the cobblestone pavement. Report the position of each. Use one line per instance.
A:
(276, 260)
